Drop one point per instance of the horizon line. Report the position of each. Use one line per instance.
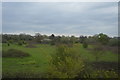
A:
(48, 34)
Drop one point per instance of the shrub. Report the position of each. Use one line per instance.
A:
(103, 38)
(85, 45)
(14, 53)
(24, 42)
(52, 43)
(98, 51)
(10, 41)
(20, 43)
(8, 44)
(101, 74)
(91, 72)
(113, 42)
(66, 63)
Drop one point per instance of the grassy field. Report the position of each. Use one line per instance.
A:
(40, 56)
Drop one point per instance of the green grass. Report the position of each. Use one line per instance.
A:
(40, 57)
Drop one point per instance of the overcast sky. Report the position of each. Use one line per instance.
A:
(65, 18)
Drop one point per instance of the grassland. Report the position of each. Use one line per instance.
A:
(38, 62)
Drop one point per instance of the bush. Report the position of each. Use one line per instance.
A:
(20, 43)
(98, 51)
(24, 42)
(91, 72)
(8, 44)
(101, 74)
(113, 42)
(66, 63)
(103, 38)
(14, 53)
(10, 41)
(85, 45)
(52, 43)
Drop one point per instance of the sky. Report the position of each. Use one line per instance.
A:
(60, 18)
(0, 17)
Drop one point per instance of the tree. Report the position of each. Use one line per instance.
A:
(8, 44)
(103, 38)
(114, 42)
(38, 37)
(82, 39)
(52, 37)
(10, 41)
(22, 36)
(91, 40)
(73, 39)
(20, 42)
(57, 40)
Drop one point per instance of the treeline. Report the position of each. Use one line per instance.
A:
(22, 39)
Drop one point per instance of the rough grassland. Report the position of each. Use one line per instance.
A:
(40, 57)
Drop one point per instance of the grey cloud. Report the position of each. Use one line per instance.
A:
(69, 18)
